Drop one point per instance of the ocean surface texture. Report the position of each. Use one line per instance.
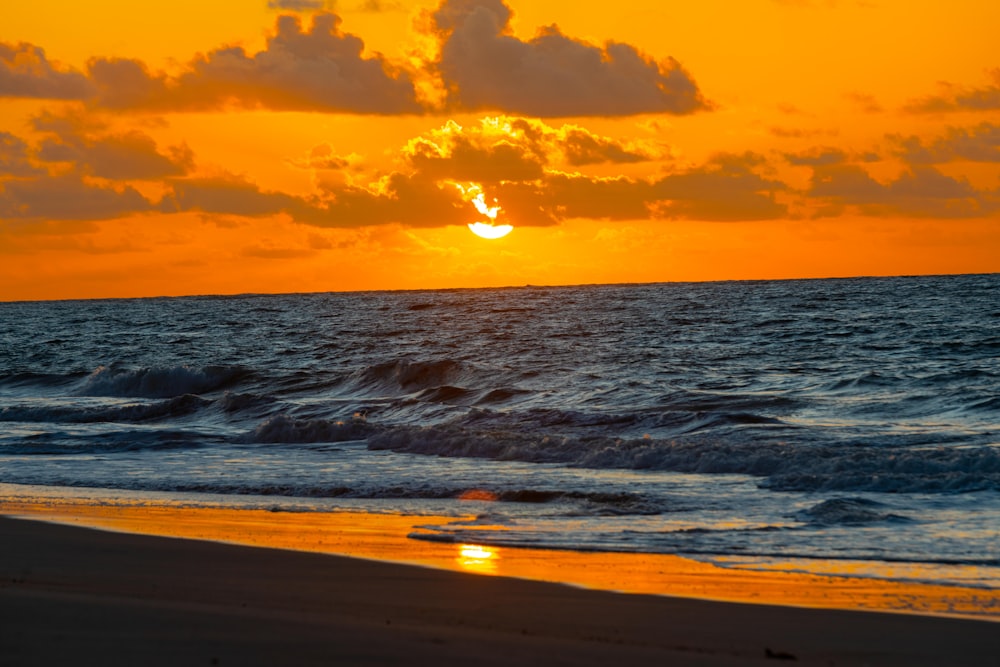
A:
(847, 426)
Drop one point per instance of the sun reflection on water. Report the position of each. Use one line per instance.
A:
(477, 558)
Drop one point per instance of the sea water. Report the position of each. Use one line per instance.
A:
(843, 426)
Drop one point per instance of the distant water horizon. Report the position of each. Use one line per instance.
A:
(786, 423)
(491, 287)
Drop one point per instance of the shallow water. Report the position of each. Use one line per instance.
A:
(755, 424)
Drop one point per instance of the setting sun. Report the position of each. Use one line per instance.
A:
(488, 231)
(298, 146)
(749, 317)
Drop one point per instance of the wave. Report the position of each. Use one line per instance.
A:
(848, 511)
(411, 376)
(160, 382)
(40, 380)
(783, 467)
(56, 443)
(290, 430)
(88, 414)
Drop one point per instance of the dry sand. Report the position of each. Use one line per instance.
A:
(77, 596)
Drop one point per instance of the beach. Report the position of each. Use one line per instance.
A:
(584, 475)
(75, 594)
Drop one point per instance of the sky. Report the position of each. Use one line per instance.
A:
(271, 146)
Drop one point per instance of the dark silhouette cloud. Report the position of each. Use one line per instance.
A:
(724, 189)
(481, 65)
(817, 157)
(508, 148)
(961, 98)
(921, 192)
(980, 143)
(67, 197)
(297, 5)
(14, 157)
(131, 155)
(26, 72)
(484, 66)
(316, 69)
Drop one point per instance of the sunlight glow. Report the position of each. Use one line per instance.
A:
(488, 231)
(478, 559)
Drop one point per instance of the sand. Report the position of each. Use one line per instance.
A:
(72, 595)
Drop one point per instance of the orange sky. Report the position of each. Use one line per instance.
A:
(303, 145)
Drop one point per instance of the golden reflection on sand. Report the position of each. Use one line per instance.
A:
(477, 559)
(385, 537)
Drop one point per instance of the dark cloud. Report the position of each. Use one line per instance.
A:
(724, 189)
(228, 195)
(322, 156)
(319, 69)
(14, 157)
(298, 5)
(130, 155)
(487, 153)
(582, 148)
(398, 198)
(406, 199)
(817, 157)
(67, 197)
(961, 98)
(26, 72)
(379, 6)
(980, 143)
(513, 149)
(922, 192)
(865, 102)
(484, 66)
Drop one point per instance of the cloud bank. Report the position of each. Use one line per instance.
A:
(480, 65)
(485, 67)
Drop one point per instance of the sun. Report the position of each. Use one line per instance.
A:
(487, 231)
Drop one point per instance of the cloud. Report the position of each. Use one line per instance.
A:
(514, 161)
(297, 5)
(481, 65)
(864, 102)
(410, 200)
(26, 72)
(817, 157)
(323, 157)
(489, 152)
(960, 98)
(977, 144)
(484, 66)
(583, 147)
(67, 197)
(130, 155)
(922, 192)
(510, 148)
(319, 69)
(726, 188)
(228, 195)
(14, 157)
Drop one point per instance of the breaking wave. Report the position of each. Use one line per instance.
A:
(782, 467)
(159, 382)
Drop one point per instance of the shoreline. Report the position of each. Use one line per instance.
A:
(390, 538)
(77, 595)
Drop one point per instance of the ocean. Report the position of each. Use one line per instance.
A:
(841, 426)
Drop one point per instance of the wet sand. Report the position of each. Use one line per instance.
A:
(72, 595)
